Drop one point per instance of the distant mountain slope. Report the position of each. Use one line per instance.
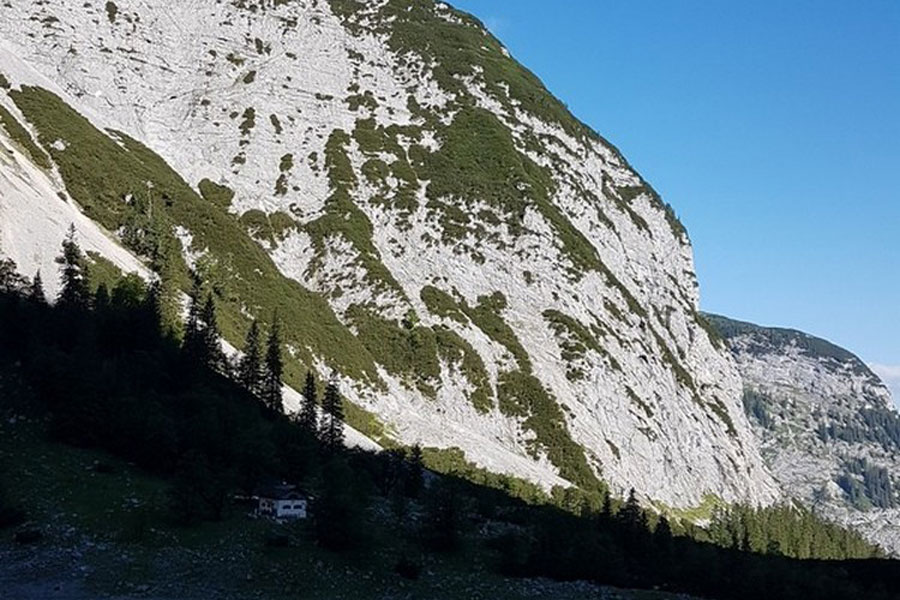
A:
(826, 423)
(479, 268)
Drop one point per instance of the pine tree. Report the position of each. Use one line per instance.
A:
(36, 290)
(75, 292)
(274, 369)
(307, 417)
(168, 294)
(101, 298)
(607, 510)
(632, 515)
(250, 366)
(332, 432)
(192, 343)
(11, 282)
(212, 353)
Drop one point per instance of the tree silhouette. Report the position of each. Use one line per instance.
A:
(307, 417)
(274, 369)
(75, 292)
(36, 289)
(192, 343)
(332, 432)
(11, 282)
(212, 353)
(249, 372)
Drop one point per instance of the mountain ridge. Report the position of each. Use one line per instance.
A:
(826, 425)
(351, 167)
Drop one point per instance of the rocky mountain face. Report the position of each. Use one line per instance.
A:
(826, 425)
(478, 268)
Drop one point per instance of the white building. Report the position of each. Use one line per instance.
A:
(281, 501)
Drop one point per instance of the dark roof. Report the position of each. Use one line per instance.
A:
(279, 491)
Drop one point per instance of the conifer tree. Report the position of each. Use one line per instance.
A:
(274, 369)
(11, 281)
(36, 289)
(212, 353)
(75, 292)
(632, 515)
(333, 418)
(607, 510)
(101, 298)
(168, 294)
(250, 366)
(192, 343)
(307, 417)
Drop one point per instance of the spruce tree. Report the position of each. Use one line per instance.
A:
(36, 289)
(11, 282)
(101, 298)
(210, 335)
(274, 370)
(307, 417)
(75, 292)
(607, 510)
(333, 418)
(250, 366)
(632, 515)
(192, 343)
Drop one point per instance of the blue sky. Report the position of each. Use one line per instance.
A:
(772, 127)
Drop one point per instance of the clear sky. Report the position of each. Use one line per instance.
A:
(773, 129)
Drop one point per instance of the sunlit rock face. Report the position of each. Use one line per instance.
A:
(477, 268)
(826, 425)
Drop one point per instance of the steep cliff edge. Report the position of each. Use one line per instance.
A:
(481, 269)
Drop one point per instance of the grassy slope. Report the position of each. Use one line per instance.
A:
(100, 170)
(90, 521)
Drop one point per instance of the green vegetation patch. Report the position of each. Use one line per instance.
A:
(575, 340)
(715, 338)
(99, 172)
(271, 228)
(407, 351)
(366, 100)
(478, 161)
(442, 304)
(21, 136)
(4, 82)
(636, 400)
(234, 59)
(452, 461)
(248, 121)
(374, 141)
(111, 11)
(702, 512)
(764, 338)
(681, 375)
(342, 217)
(457, 50)
(276, 123)
(102, 271)
(486, 315)
(457, 351)
(217, 194)
(522, 395)
(720, 411)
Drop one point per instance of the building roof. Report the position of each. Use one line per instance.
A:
(279, 491)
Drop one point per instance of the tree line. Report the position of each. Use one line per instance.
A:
(102, 371)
